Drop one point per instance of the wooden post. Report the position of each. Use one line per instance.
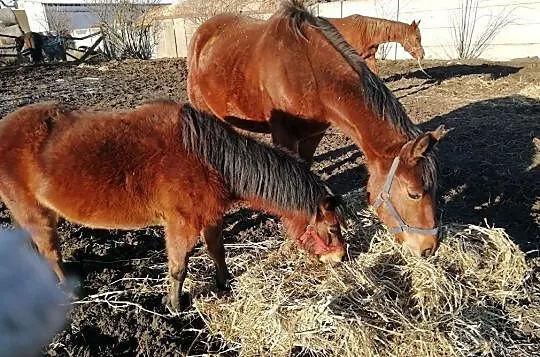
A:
(395, 44)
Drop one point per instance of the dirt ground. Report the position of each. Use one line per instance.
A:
(490, 168)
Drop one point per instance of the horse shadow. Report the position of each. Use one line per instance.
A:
(490, 166)
(439, 74)
(443, 73)
(341, 167)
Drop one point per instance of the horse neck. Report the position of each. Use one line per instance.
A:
(378, 31)
(376, 137)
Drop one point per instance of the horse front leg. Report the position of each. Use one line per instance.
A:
(180, 241)
(213, 239)
(308, 146)
(282, 129)
(298, 135)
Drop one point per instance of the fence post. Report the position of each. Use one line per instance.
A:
(395, 44)
(174, 34)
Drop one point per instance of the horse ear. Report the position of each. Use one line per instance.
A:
(425, 143)
(337, 206)
(327, 204)
(440, 132)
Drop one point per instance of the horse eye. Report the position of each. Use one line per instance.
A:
(414, 196)
(333, 230)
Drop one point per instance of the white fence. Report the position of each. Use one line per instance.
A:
(521, 38)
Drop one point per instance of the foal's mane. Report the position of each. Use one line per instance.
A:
(251, 168)
(382, 102)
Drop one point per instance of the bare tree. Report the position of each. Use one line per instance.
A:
(7, 3)
(199, 11)
(58, 21)
(470, 41)
(127, 29)
(383, 10)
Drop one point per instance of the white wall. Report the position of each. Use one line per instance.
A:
(519, 39)
(37, 19)
(88, 42)
(35, 13)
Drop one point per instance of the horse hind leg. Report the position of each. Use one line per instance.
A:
(213, 239)
(41, 223)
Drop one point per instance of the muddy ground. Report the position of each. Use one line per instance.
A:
(489, 167)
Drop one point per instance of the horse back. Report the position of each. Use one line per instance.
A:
(223, 70)
(246, 68)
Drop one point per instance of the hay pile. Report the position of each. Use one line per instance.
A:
(381, 301)
(531, 91)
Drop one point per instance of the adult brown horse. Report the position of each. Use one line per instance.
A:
(365, 34)
(162, 164)
(293, 76)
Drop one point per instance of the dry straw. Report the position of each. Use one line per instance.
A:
(382, 301)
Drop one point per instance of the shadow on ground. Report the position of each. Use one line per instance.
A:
(490, 166)
(443, 73)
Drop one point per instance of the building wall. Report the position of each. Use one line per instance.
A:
(81, 17)
(519, 39)
(174, 36)
(35, 13)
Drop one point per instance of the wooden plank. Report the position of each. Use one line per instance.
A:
(91, 49)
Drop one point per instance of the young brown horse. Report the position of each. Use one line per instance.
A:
(162, 164)
(365, 34)
(293, 76)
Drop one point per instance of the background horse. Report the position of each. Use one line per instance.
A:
(42, 46)
(293, 76)
(365, 34)
(162, 164)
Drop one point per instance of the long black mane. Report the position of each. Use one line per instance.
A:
(382, 102)
(251, 168)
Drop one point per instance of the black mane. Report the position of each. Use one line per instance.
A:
(382, 102)
(251, 168)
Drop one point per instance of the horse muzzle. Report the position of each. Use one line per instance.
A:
(332, 253)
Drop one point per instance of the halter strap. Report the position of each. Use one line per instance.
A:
(384, 198)
(320, 245)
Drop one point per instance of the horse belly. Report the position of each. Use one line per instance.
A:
(97, 207)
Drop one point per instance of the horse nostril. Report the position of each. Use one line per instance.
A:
(427, 253)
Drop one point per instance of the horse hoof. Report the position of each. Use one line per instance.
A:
(223, 285)
(177, 303)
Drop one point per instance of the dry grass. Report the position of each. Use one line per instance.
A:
(381, 301)
(531, 91)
